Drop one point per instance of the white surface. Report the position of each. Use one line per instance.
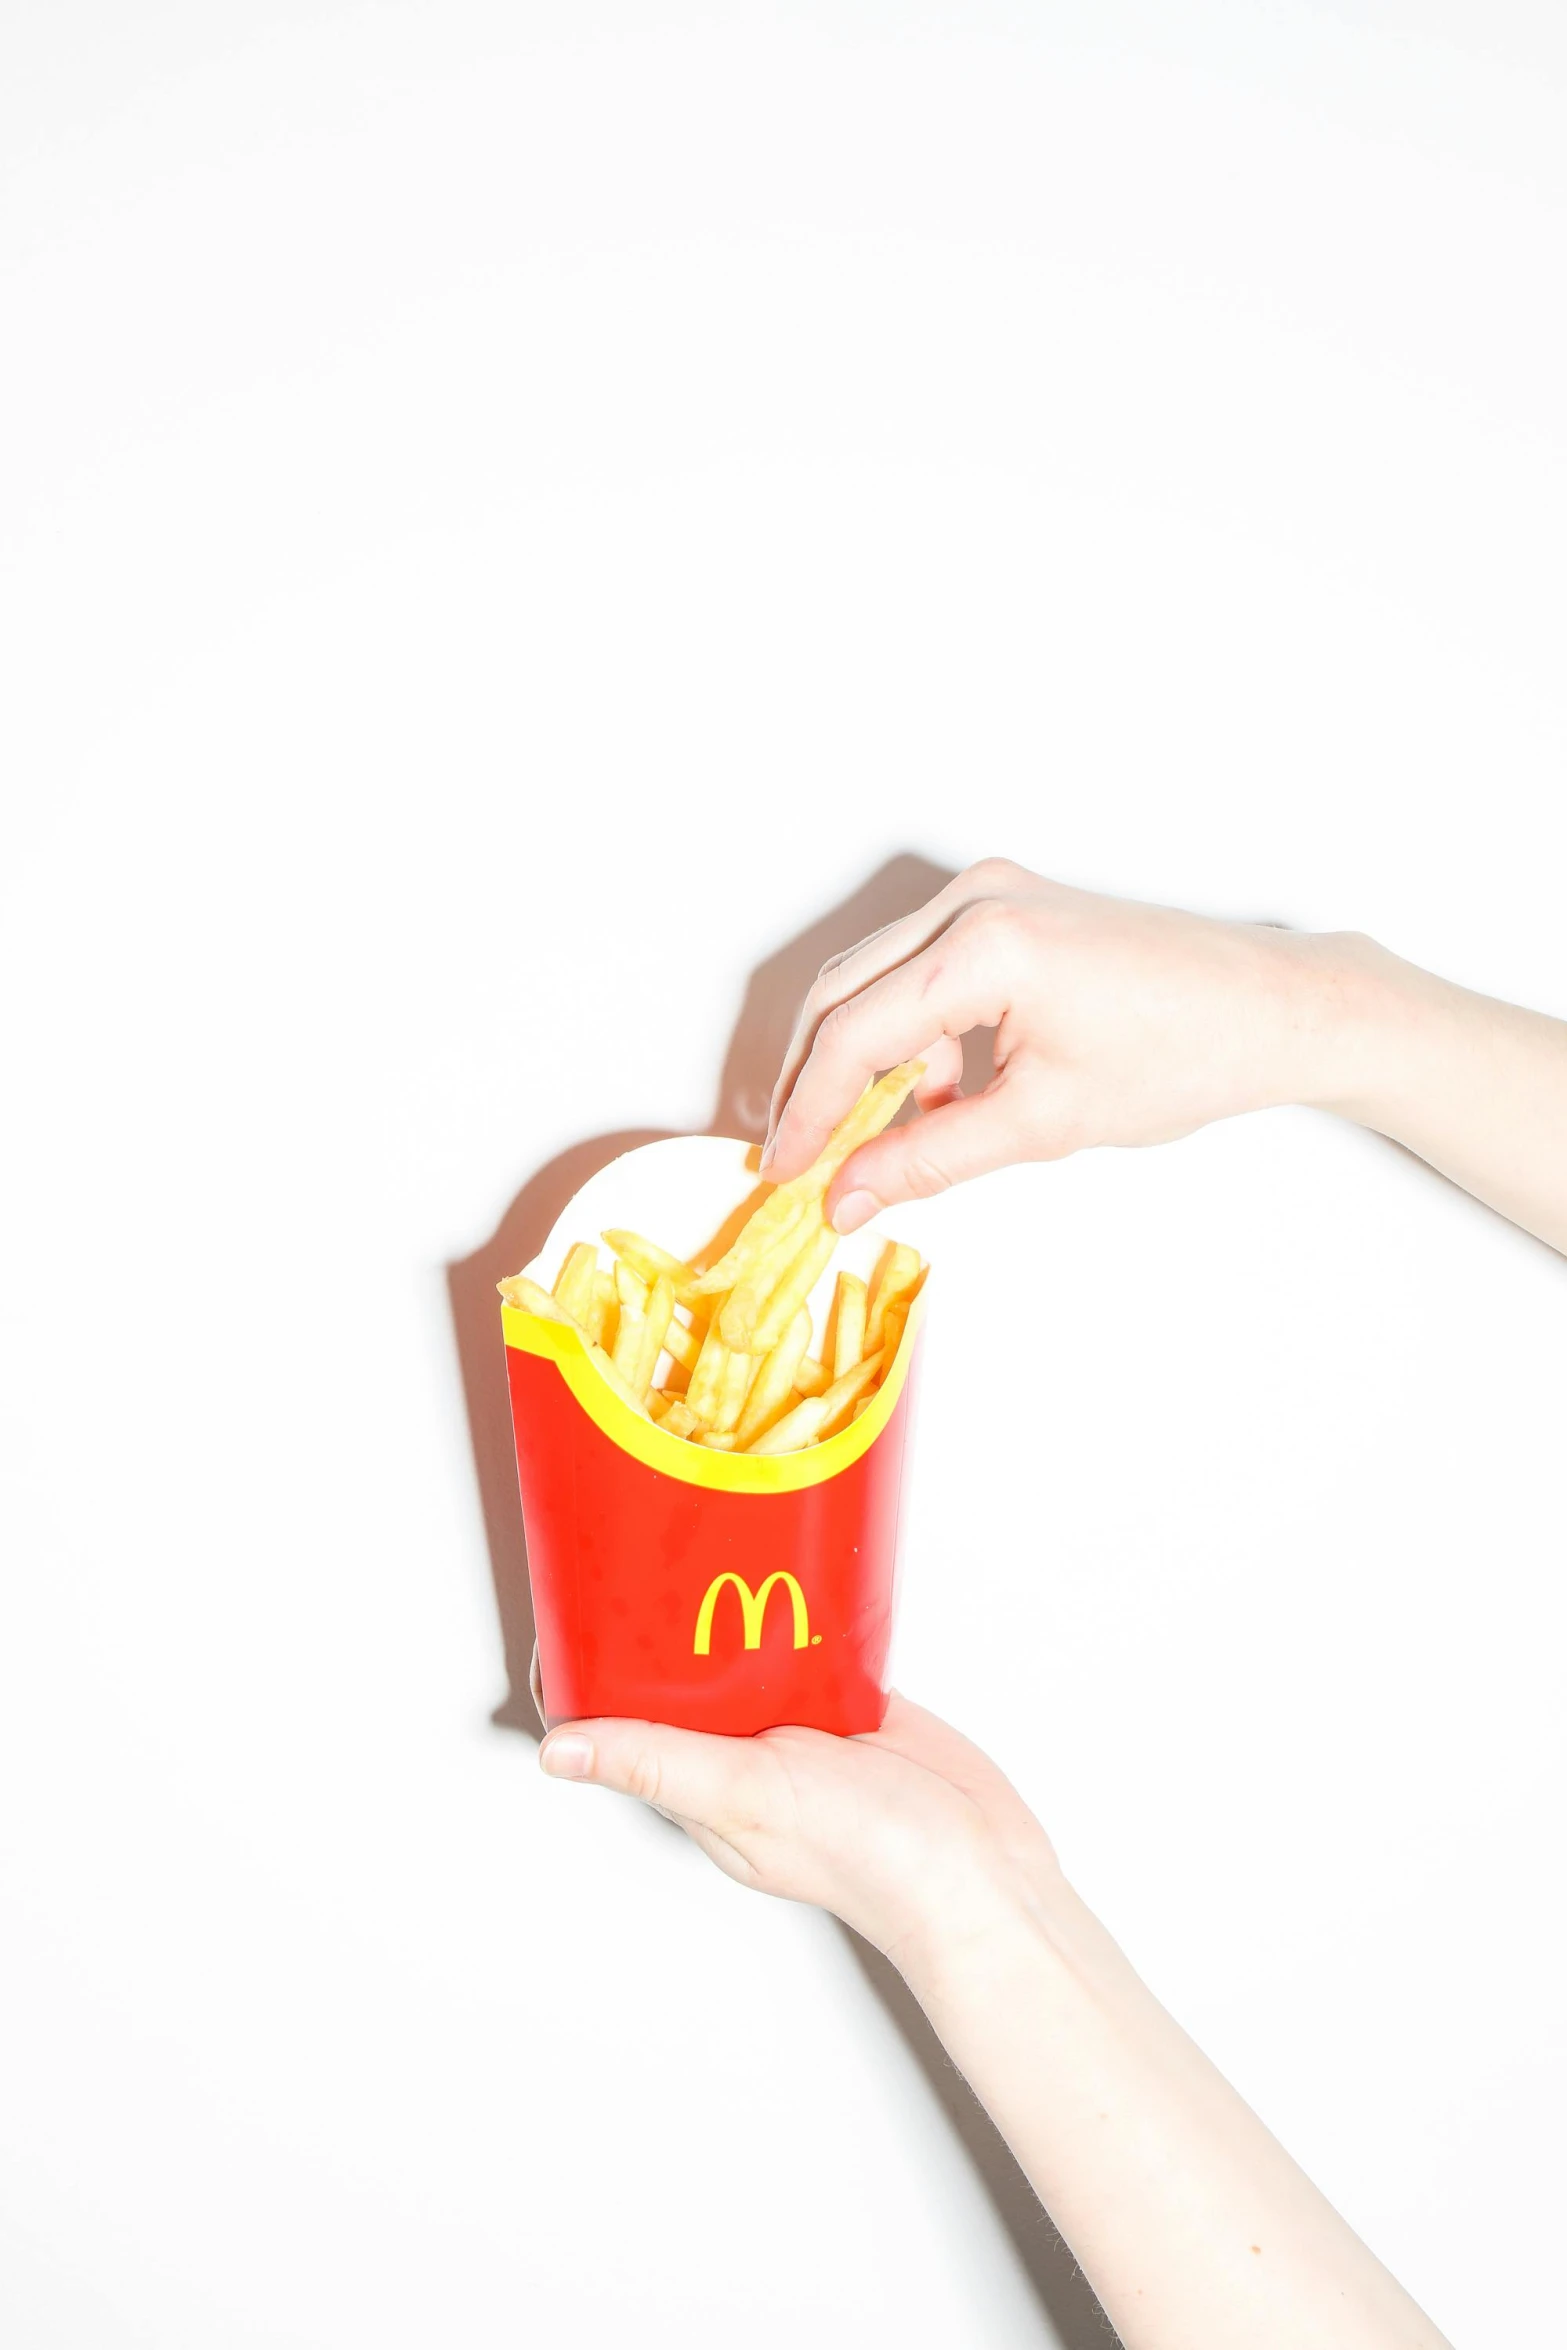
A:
(465, 466)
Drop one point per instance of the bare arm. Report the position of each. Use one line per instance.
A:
(1476, 1087)
(1192, 2224)
(1123, 1023)
(1195, 2227)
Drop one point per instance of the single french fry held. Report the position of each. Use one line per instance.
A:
(781, 1212)
(877, 1106)
(753, 1267)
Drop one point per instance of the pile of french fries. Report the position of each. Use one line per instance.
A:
(734, 1338)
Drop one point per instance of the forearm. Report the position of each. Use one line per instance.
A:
(1475, 1087)
(1190, 2221)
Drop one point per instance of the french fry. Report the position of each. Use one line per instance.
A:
(648, 1259)
(733, 1389)
(740, 1374)
(746, 1306)
(841, 1397)
(773, 1221)
(746, 1303)
(518, 1290)
(683, 1344)
(781, 1214)
(707, 1376)
(782, 1211)
(605, 1364)
(799, 1279)
(848, 1342)
(604, 1313)
(772, 1390)
(796, 1429)
(897, 1277)
(626, 1354)
(529, 1298)
(574, 1281)
(655, 1326)
(877, 1106)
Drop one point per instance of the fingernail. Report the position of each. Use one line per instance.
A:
(766, 1158)
(568, 1755)
(854, 1209)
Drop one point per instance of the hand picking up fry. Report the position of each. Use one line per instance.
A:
(741, 1369)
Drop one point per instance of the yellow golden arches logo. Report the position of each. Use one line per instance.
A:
(753, 1607)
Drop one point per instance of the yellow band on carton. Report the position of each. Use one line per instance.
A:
(672, 1456)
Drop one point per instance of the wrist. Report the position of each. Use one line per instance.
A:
(1029, 1924)
(1342, 999)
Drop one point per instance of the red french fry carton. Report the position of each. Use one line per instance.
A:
(718, 1591)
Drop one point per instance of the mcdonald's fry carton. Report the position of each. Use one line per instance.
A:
(716, 1590)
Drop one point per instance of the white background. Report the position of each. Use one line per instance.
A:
(513, 514)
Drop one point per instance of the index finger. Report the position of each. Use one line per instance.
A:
(846, 974)
(944, 991)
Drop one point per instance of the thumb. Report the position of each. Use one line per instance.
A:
(718, 1789)
(687, 1773)
(948, 1145)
